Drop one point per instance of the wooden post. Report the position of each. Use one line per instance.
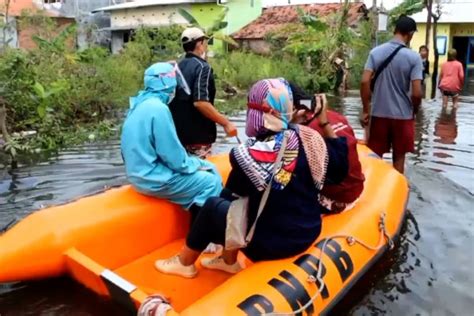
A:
(429, 8)
(434, 76)
(3, 121)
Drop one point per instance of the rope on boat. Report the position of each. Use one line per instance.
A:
(351, 240)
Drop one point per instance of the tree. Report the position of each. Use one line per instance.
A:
(429, 8)
(213, 30)
(406, 7)
(436, 16)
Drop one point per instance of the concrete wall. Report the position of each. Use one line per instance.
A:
(25, 35)
(241, 13)
(117, 43)
(462, 29)
(150, 16)
(257, 46)
(11, 35)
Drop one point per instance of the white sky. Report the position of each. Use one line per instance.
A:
(388, 4)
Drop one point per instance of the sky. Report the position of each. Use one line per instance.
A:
(388, 4)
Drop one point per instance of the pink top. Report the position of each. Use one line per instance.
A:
(452, 76)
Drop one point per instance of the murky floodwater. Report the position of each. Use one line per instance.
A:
(430, 273)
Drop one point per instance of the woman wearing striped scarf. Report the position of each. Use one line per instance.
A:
(291, 218)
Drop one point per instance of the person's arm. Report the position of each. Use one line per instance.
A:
(323, 121)
(416, 76)
(203, 104)
(416, 95)
(365, 93)
(167, 145)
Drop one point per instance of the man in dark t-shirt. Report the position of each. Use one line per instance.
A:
(194, 115)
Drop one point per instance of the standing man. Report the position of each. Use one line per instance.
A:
(194, 115)
(394, 73)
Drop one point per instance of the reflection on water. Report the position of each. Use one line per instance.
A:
(430, 273)
(444, 137)
(446, 127)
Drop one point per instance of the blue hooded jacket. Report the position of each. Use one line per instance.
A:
(155, 161)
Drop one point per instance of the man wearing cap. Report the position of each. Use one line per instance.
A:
(389, 110)
(194, 115)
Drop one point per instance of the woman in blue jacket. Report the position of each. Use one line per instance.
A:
(156, 163)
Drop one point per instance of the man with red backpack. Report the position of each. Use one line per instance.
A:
(336, 197)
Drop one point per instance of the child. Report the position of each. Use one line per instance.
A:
(451, 79)
(424, 53)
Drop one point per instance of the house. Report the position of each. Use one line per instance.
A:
(62, 12)
(253, 35)
(20, 36)
(455, 30)
(126, 17)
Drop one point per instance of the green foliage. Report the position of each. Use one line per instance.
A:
(58, 43)
(214, 30)
(406, 7)
(241, 70)
(66, 95)
(316, 43)
(361, 46)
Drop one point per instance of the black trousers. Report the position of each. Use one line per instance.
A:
(208, 224)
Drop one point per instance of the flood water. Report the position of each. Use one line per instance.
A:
(429, 273)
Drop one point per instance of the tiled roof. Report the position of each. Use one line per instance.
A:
(274, 18)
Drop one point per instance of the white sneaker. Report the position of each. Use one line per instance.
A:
(174, 266)
(218, 263)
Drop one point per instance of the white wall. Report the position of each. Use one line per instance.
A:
(150, 16)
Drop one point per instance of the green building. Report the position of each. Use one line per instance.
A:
(126, 17)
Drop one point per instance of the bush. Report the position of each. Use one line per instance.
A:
(57, 90)
(242, 69)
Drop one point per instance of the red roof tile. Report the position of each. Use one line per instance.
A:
(274, 18)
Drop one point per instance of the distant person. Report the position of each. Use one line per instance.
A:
(451, 79)
(424, 54)
(291, 218)
(194, 115)
(389, 110)
(334, 197)
(156, 163)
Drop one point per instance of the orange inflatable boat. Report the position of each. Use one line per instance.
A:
(109, 242)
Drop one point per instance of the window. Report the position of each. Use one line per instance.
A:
(441, 42)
